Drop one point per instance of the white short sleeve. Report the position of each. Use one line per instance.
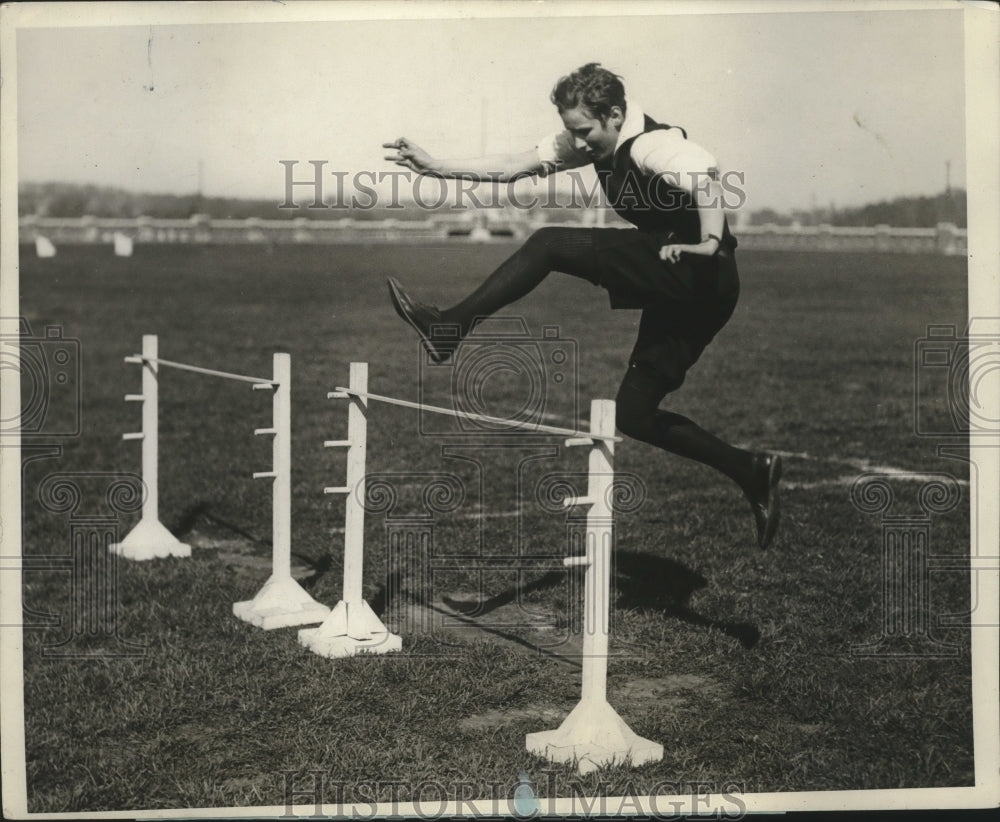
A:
(666, 152)
(558, 152)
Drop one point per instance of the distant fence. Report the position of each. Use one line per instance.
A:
(946, 238)
(203, 229)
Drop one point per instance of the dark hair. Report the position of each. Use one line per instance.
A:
(592, 86)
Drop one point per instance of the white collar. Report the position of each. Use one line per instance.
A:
(633, 126)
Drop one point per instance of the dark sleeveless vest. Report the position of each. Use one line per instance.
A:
(651, 202)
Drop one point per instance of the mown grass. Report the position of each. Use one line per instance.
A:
(738, 661)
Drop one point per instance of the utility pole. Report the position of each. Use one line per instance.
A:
(197, 196)
(482, 128)
(479, 230)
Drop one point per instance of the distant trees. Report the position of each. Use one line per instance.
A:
(918, 212)
(72, 200)
(901, 212)
(763, 216)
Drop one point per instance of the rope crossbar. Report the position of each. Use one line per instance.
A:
(199, 370)
(538, 428)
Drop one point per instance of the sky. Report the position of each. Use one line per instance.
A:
(840, 108)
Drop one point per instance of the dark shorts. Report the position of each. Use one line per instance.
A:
(684, 304)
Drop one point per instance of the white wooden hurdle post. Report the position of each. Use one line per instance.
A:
(593, 734)
(149, 539)
(352, 627)
(282, 602)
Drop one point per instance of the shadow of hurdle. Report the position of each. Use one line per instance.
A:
(641, 581)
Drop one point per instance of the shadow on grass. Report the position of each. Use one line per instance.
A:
(200, 512)
(390, 596)
(651, 583)
(643, 582)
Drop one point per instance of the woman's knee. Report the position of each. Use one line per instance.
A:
(536, 247)
(541, 241)
(635, 413)
(638, 399)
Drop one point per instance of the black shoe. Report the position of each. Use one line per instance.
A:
(764, 500)
(439, 338)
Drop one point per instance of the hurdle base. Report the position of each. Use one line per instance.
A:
(281, 603)
(150, 539)
(336, 647)
(351, 629)
(594, 736)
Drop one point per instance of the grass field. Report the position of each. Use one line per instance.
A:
(738, 661)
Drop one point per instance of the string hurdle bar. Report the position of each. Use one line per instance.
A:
(149, 539)
(593, 734)
(282, 602)
(352, 626)
(574, 437)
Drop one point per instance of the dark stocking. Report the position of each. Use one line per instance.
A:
(569, 250)
(638, 417)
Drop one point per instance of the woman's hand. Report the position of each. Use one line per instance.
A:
(411, 156)
(672, 253)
